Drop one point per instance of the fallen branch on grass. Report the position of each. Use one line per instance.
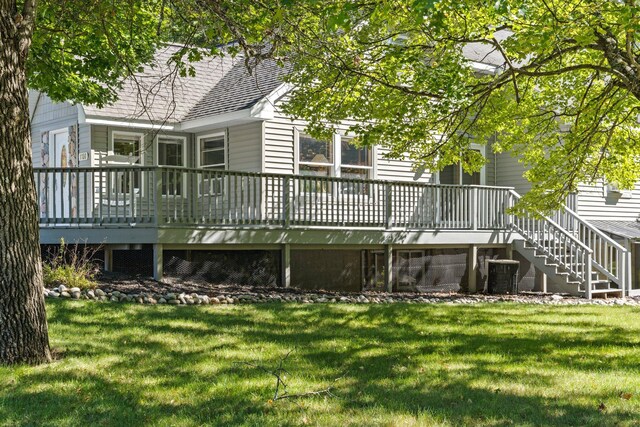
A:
(279, 371)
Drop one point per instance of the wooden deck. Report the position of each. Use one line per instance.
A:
(160, 196)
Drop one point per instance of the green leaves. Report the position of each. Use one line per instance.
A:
(82, 51)
(404, 72)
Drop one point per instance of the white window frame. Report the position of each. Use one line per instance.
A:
(224, 149)
(340, 165)
(200, 166)
(128, 134)
(336, 165)
(156, 157)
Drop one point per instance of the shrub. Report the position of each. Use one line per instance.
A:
(72, 266)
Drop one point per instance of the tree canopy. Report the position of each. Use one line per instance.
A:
(564, 96)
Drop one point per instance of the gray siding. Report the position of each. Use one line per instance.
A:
(84, 143)
(508, 173)
(47, 116)
(101, 137)
(594, 203)
(245, 147)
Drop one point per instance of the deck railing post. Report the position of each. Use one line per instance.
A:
(587, 275)
(157, 196)
(474, 205)
(388, 211)
(286, 202)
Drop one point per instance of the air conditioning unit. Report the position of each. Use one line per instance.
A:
(614, 190)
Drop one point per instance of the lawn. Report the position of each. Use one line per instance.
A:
(399, 364)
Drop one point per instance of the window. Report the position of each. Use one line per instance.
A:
(356, 163)
(127, 149)
(455, 174)
(338, 158)
(211, 156)
(316, 156)
(212, 151)
(128, 144)
(171, 152)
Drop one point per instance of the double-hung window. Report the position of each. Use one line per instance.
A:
(315, 159)
(127, 146)
(212, 152)
(355, 164)
(171, 152)
(336, 157)
(212, 156)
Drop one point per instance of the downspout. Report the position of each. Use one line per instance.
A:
(495, 161)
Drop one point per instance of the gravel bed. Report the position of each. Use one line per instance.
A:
(145, 291)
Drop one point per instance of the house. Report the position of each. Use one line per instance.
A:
(206, 177)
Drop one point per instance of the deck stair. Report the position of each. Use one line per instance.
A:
(576, 257)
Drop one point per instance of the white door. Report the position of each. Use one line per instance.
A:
(59, 182)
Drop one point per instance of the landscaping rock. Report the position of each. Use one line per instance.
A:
(281, 296)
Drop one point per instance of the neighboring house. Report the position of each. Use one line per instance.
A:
(205, 177)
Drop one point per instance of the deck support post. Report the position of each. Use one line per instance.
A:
(540, 281)
(108, 258)
(158, 262)
(472, 263)
(388, 271)
(510, 251)
(285, 279)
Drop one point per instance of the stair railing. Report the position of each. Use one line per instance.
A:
(559, 245)
(610, 258)
(605, 255)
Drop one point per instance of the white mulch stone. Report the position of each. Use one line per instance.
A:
(278, 295)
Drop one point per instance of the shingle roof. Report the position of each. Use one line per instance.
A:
(159, 94)
(238, 89)
(628, 229)
(220, 85)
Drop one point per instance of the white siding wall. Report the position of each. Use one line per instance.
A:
(278, 144)
(508, 173)
(398, 169)
(279, 153)
(595, 204)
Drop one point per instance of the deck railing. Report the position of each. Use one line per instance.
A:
(155, 196)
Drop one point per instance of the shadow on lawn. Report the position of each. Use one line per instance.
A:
(398, 359)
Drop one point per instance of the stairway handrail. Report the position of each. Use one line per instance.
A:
(595, 229)
(558, 226)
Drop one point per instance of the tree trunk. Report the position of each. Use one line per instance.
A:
(23, 324)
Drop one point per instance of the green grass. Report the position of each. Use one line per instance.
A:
(403, 364)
